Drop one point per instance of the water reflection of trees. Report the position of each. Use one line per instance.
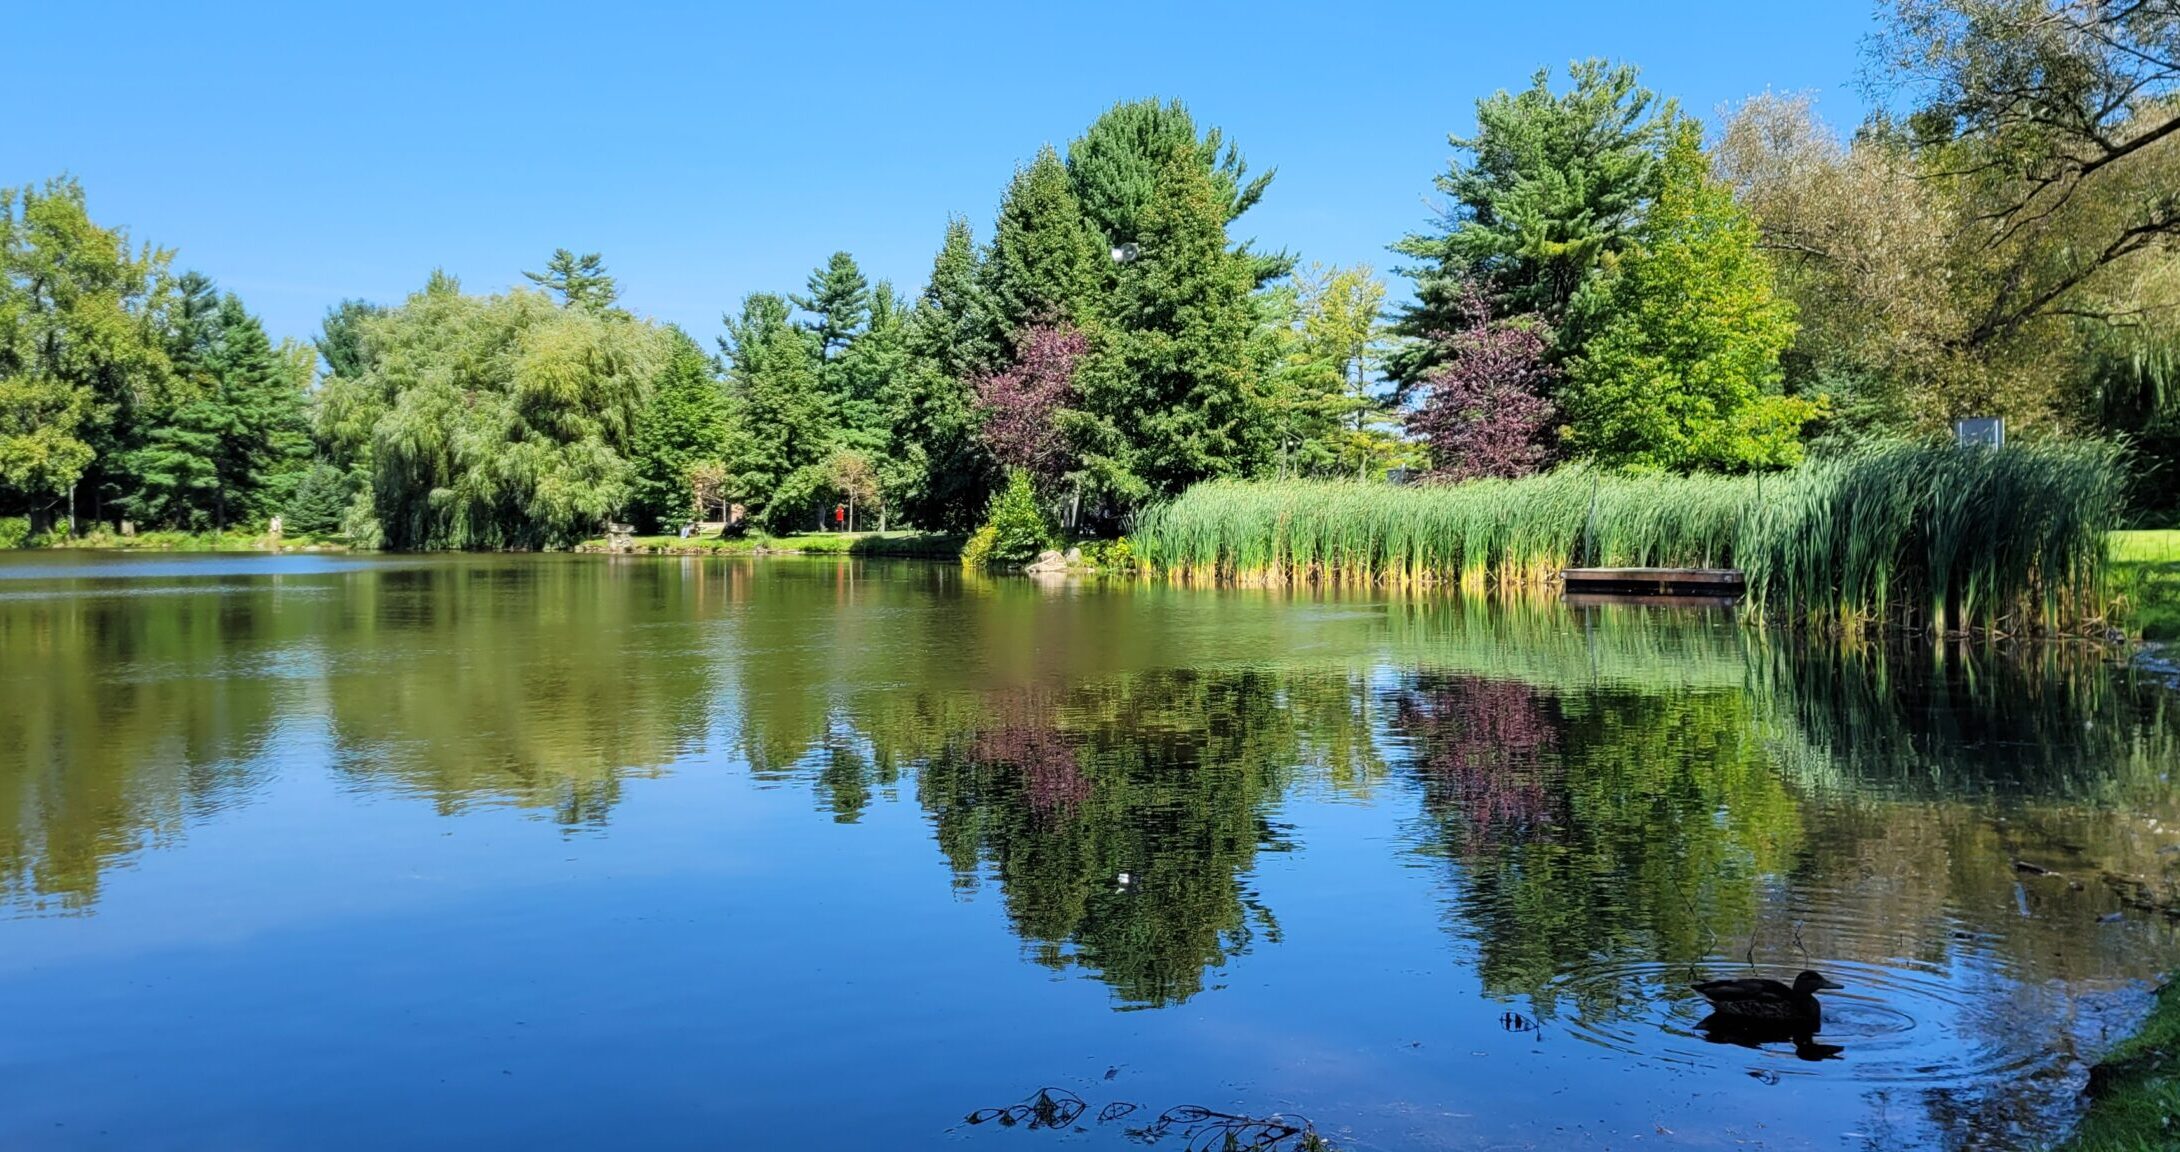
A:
(542, 685)
(94, 764)
(1609, 823)
(132, 711)
(1121, 821)
(1602, 786)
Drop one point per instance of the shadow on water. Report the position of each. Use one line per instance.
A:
(1613, 803)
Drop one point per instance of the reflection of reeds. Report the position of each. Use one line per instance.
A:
(1925, 536)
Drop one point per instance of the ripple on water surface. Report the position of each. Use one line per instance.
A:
(1898, 1023)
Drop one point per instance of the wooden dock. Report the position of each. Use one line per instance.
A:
(1708, 583)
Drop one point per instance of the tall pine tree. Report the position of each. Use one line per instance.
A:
(685, 425)
(1116, 167)
(1168, 396)
(340, 339)
(1547, 189)
(782, 425)
(838, 304)
(579, 281)
(231, 442)
(1046, 261)
(951, 337)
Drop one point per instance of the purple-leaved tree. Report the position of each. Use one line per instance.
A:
(1021, 406)
(1483, 412)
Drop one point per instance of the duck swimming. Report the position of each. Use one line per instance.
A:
(1769, 1000)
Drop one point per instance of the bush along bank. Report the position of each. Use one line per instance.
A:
(1915, 536)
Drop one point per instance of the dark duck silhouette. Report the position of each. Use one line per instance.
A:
(1750, 1001)
(1719, 1028)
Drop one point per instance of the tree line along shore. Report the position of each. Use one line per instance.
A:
(1729, 332)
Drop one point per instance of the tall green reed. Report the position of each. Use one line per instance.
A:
(1932, 536)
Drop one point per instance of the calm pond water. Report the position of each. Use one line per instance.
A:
(584, 852)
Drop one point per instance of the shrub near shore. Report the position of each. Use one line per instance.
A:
(1906, 535)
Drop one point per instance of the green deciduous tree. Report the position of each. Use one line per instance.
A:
(82, 353)
(1325, 418)
(1548, 188)
(1679, 365)
(497, 422)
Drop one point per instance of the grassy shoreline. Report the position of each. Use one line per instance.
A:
(2135, 1090)
(163, 541)
(923, 545)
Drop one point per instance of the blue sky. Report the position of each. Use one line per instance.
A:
(303, 153)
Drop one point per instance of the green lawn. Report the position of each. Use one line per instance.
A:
(2146, 576)
(927, 544)
(169, 541)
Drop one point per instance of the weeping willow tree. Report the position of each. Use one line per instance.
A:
(492, 421)
(2134, 390)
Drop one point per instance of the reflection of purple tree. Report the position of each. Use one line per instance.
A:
(1051, 774)
(1021, 406)
(1484, 752)
(1484, 411)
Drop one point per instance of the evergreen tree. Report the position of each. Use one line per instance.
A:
(944, 475)
(1679, 367)
(782, 425)
(579, 281)
(320, 501)
(229, 444)
(1117, 163)
(193, 324)
(685, 425)
(176, 470)
(1168, 396)
(1020, 529)
(956, 323)
(269, 444)
(859, 383)
(340, 337)
(1046, 262)
(1551, 186)
(839, 304)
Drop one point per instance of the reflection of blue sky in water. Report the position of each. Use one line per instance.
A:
(417, 852)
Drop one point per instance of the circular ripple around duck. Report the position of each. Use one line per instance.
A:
(1888, 1025)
